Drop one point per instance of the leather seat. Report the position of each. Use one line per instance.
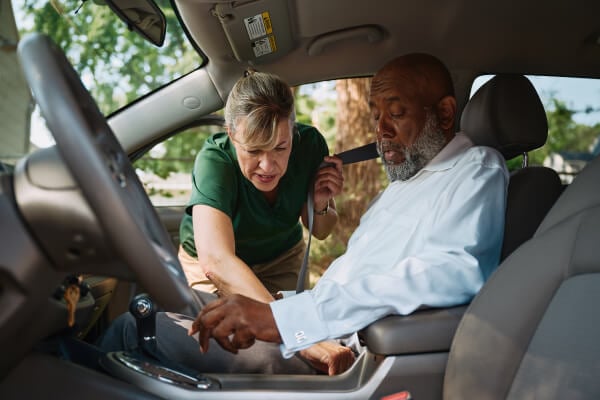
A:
(533, 330)
(506, 113)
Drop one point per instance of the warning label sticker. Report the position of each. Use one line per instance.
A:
(258, 25)
(264, 46)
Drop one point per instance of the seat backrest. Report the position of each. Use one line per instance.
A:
(507, 114)
(533, 331)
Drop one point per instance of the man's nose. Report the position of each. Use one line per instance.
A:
(383, 129)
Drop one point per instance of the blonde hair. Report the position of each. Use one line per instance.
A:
(263, 100)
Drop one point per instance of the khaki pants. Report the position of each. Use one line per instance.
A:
(278, 274)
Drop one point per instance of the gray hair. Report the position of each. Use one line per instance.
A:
(263, 100)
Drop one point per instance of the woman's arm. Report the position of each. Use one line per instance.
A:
(215, 245)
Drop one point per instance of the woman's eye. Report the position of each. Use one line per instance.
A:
(253, 152)
(280, 149)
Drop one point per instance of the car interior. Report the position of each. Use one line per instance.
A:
(76, 213)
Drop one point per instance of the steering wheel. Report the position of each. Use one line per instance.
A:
(103, 172)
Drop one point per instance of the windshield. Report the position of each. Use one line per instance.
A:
(116, 65)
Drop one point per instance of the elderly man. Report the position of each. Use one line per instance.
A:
(431, 238)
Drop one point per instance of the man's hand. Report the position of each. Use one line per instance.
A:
(329, 357)
(235, 322)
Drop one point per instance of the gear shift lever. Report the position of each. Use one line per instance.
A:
(149, 362)
(144, 311)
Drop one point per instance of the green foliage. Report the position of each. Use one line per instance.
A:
(116, 65)
(564, 134)
(176, 154)
(514, 163)
(319, 113)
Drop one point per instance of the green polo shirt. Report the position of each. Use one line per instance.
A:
(262, 231)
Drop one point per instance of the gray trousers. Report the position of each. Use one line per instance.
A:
(175, 345)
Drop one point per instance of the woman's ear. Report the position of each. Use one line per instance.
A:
(446, 112)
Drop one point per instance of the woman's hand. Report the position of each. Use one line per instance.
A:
(329, 182)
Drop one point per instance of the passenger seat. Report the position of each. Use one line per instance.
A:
(533, 330)
(506, 113)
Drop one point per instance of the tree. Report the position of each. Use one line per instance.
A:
(362, 181)
(117, 66)
(564, 134)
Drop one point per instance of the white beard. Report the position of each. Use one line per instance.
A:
(429, 143)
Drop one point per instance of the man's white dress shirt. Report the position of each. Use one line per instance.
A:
(431, 241)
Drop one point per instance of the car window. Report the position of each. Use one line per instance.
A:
(165, 169)
(573, 111)
(115, 64)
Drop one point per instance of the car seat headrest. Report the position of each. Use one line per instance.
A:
(507, 114)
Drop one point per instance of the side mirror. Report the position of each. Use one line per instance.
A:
(143, 17)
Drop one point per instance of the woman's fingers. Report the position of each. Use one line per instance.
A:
(329, 181)
(336, 161)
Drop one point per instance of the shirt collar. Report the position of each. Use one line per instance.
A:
(449, 155)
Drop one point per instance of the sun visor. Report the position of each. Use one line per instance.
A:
(258, 31)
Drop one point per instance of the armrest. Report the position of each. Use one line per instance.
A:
(425, 331)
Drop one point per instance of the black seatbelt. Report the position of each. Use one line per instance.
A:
(357, 154)
(362, 153)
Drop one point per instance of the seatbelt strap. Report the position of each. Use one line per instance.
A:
(362, 153)
(357, 154)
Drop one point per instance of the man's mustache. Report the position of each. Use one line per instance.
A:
(387, 145)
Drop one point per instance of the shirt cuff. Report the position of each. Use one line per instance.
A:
(298, 323)
(287, 293)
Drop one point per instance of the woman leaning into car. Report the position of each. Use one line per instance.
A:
(241, 232)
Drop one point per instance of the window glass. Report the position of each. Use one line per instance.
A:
(166, 169)
(573, 111)
(115, 64)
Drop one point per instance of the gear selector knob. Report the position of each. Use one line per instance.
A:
(144, 311)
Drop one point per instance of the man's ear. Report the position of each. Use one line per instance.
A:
(446, 112)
